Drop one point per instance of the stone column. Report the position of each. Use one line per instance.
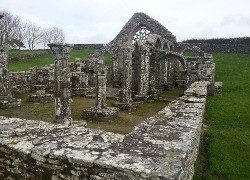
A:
(6, 100)
(101, 112)
(143, 87)
(125, 96)
(63, 99)
(101, 90)
(152, 78)
(126, 92)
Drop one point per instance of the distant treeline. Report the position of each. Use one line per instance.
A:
(243, 40)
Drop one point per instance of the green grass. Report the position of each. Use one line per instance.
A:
(225, 147)
(107, 60)
(15, 53)
(24, 65)
(188, 54)
(80, 54)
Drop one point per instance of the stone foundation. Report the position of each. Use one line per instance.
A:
(40, 97)
(9, 102)
(164, 146)
(95, 114)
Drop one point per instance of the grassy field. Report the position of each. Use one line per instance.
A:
(225, 145)
(24, 65)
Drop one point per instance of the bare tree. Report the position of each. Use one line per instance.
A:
(21, 34)
(47, 37)
(52, 35)
(9, 25)
(58, 35)
(33, 35)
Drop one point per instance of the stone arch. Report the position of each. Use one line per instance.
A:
(170, 71)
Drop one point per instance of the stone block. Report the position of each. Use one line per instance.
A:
(95, 114)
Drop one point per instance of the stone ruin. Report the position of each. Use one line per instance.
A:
(146, 59)
(6, 99)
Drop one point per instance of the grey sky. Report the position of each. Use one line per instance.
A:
(99, 21)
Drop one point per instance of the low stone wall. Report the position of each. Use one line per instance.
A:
(29, 56)
(87, 46)
(164, 146)
(223, 48)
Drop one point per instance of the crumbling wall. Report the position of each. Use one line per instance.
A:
(87, 46)
(42, 78)
(200, 69)
(164, 146)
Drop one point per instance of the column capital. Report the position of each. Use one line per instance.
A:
(60, 48)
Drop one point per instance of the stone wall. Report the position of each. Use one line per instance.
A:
(224, 48)
(164, 146)
(42, 78)
(200, 69)
(87, 46)
(222, 45)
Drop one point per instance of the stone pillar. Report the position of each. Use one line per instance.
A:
(125, 96)
(100, 112)
(63, 99)
(143, 87)
(152, 78)
(101, 81)
(6, 99)
(126, 92)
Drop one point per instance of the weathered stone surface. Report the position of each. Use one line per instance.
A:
(96, 114)
(164, 146)
(6, 99)
(101, 112)
(63, 93)
(215, 88)
(40, 97)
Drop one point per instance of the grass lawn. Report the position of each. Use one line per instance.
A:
(225, 145)
(24, 65)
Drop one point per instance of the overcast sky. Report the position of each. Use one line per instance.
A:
(99, 21)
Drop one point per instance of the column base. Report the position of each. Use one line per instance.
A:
(95, 114)
(9, 102)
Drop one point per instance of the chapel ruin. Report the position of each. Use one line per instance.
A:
(146, 59)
